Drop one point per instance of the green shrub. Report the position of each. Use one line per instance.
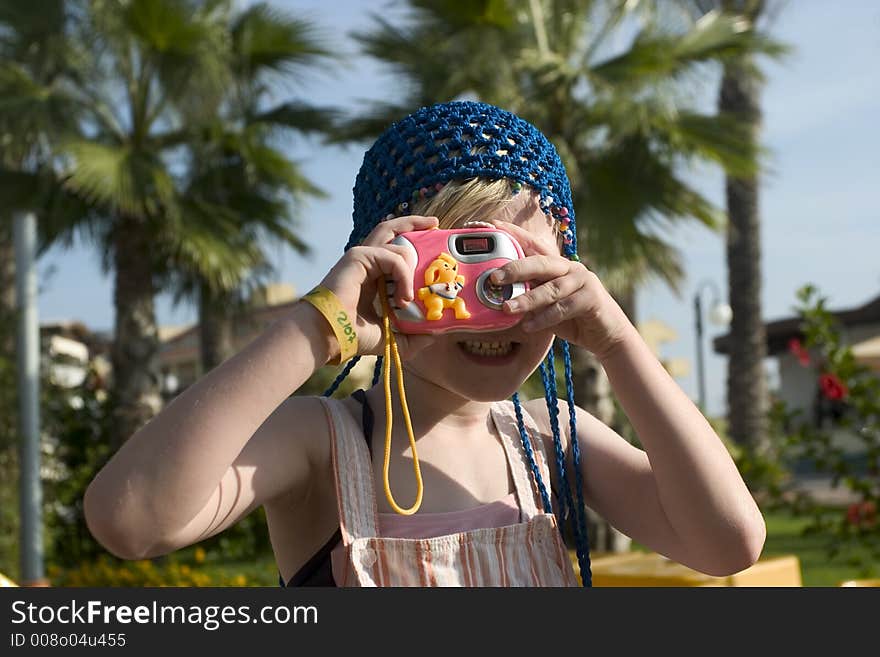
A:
(9, 525)
(170, 571)
(848, 395)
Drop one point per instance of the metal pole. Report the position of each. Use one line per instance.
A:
(701, 376)
(28, 361)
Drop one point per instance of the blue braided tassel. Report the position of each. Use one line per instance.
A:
(550, 395)
(377, 370)
(553, 398)
(344, 373)
(557, 450)
(583, 536)
(530, 455)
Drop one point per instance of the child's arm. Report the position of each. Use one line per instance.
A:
(686, 472)
(683, 495)
(211, 455)
(232, 440)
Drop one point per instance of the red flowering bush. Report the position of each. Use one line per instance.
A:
(797, 348)
(832, 387)
(862, 514)
(847, 403)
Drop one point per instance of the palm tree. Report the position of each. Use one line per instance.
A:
(239, 174)
(740, 95)
(169, 171)
(621, 122)
(150, 63)
(746, 379)
(143, 68)
(35, 55)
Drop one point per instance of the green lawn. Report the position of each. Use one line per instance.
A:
(784, 536)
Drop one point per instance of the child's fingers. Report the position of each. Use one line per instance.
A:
(531, 268)
(388, 230)
(566, 308)
(403, 286)
(544, 295)
(388, 262)
(529, 242)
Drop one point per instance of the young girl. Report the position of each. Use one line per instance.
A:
(495, 474)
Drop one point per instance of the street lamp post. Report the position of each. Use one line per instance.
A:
(28, 365)
(719, 314)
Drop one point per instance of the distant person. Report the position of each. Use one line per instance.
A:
(496, 474)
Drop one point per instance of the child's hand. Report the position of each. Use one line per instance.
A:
(565, 296)
(355, 280)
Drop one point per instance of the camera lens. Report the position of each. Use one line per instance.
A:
(491, 295)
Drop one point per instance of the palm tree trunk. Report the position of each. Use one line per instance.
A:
(136, 340)
(746, 381)
(216, 328)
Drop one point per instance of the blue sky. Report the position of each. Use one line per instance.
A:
(819, 205)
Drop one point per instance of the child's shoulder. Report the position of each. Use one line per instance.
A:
(300, 422)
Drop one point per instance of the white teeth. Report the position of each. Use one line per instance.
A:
(487, 348)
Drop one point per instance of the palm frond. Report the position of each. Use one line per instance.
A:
(209, 242)
(163, 26)
(628, 195)
(180, 55)
(715, 37)
(645, 258)
(267, 39)
(22, 24)
(468, 15)
(298, 116)
(720, 138)
(118, 178)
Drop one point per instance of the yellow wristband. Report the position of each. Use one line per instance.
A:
(342, 324)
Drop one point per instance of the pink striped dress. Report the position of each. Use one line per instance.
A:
(526, 553)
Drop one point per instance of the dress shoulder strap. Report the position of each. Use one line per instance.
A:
(526, 488)
(353, 474)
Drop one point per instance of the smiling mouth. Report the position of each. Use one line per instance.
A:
(488, 349)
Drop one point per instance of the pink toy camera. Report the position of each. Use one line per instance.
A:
(452, 290)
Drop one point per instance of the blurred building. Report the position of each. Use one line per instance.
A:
(860, 329)
(71, 348)
(799, 386)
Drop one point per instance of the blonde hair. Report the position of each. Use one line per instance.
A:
(472, 199)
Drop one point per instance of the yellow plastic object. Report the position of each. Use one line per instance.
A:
(442, 285)
(6, 582)
(654, 570)
(772, 571)
(328, 305)
(391, 350)
(861, 582)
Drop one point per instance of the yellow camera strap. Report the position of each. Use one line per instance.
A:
(391, 351)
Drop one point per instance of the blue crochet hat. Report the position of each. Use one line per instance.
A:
(416, 156)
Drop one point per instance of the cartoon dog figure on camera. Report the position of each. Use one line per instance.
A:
(442, 285)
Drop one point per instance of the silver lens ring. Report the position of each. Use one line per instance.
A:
(493, 296)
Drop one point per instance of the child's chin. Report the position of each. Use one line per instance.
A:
(487, 388)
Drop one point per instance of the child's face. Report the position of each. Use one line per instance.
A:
(490, 366)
